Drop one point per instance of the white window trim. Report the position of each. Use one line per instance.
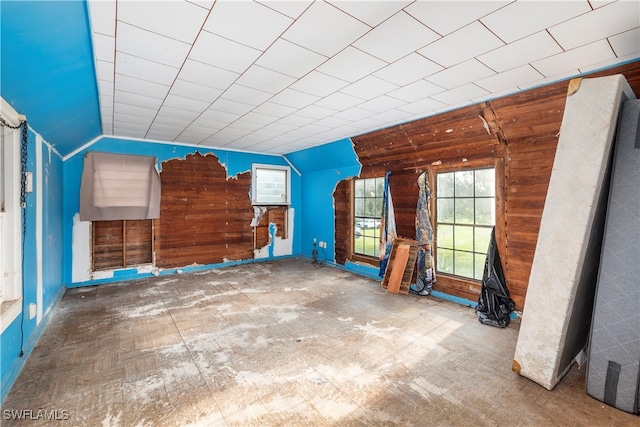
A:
(10, 223)
(254, 187)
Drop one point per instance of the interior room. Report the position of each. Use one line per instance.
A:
(396, 212)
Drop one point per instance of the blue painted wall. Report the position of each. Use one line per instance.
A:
(235, 162)
(47, 69)
(23, 332)
(322, 168)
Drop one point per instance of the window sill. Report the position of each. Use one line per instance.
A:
(374, 262)
(9, 311)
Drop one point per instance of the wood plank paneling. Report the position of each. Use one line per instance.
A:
(121, 243)
(205, 218)
(520, 132)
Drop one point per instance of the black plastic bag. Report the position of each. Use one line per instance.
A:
(495, 304)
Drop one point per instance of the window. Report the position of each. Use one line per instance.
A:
(368, 198)
(10, 217)
(465, 216)
(270, 185)
(121, 243)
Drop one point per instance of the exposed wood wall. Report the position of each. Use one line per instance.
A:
(518, 134)
(204, 217)
(121, 243)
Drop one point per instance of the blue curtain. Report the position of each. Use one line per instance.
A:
(387, 227)
(425, 276)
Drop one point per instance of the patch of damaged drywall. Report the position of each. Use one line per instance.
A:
(76, 233)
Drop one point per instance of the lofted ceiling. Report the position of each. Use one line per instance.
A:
(281, 76)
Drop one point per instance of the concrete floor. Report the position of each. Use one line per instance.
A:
(283, 343)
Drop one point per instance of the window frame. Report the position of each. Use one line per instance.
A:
(255, 196)
(10, 226)
(356, 256)
(458, 285)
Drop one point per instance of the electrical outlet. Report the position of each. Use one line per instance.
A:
(323, 244)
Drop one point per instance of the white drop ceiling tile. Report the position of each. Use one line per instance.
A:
(445, 16)
(105, 86)
(128, 133)
(106, 100)
(187, 138)
(104, 47)
(264, 133)
(245, 22)
(393, 117)
(354, 114)
(257, 77)
(206, 4)
(163, 136)
(318, 84)
(325, 29)
(131, 120)
(207, 75)
(185, 103)
(423, 106)
(177, 116)
(265, 147)
(207, 125)
(246, 95)
(273, 109)
(297, 121)
(214, 117)
(460, 94)
(461, 45)
(599, 3)
(548, 80)
(368, 124)
(279, 127)
(159, 126)
(315, 112)
(143, 69)
(332, 122)
(396, 37)
(627, 43)
(292, 9)
(141, 87)
(495, 95)
(223, 53)
(175, 19)
(601, 23)
(294, 98)
(609, 64)
(230, 134)
(381, 104)
(195, 91)
(313, 129)
(195, 136)
(244, 125)
(122, 97)
(369, 88)
(261, 119)
(588, 54)
(102, 15)
(523, 51)
(233, 107)
(119, 124)
(371, 13)
(290, 59)
(407, 70)
(104, 70)
(508, 23)
(509, 79)
(134, 111)
(351, 64)
(415, 91)
(151, 46)
(339, 101)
